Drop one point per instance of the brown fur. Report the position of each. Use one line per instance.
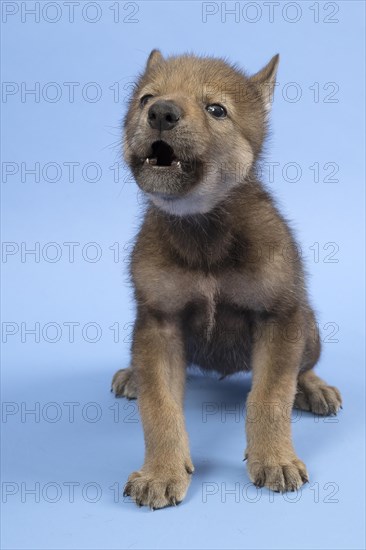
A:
(215, 287)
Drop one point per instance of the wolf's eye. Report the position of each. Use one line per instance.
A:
(216, 110)
(145, 99)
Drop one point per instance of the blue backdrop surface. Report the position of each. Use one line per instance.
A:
(69, 213)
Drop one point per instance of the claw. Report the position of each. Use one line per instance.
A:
(126, 490)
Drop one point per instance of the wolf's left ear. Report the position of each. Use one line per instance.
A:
(265, 80)
(154, 58)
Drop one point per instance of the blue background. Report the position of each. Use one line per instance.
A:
(44, 375)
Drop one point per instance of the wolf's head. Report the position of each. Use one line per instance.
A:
(194, 128)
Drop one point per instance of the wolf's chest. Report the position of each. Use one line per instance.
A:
(201, 298)
(214, 317)
(218, 336)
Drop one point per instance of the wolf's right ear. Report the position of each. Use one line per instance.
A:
(154, 58)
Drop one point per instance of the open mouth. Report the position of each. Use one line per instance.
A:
(162, 155)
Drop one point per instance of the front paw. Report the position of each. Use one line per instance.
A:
(280, 475)
(158, 487)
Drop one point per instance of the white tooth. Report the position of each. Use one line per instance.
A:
(147, 161)
(178, 163)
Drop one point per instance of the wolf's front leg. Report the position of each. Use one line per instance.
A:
(158, 356)
(277, 353)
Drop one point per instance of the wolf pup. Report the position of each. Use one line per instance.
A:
(217, 276)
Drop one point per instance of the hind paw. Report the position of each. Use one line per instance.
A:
(124, 384)
(314, 395)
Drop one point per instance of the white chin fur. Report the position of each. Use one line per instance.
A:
(199, 201)
(185, 206)
(212, 190)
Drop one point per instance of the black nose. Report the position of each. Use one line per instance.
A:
(163, 115)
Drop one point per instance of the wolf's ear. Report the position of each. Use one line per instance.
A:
(154, 58)
(265, 79)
